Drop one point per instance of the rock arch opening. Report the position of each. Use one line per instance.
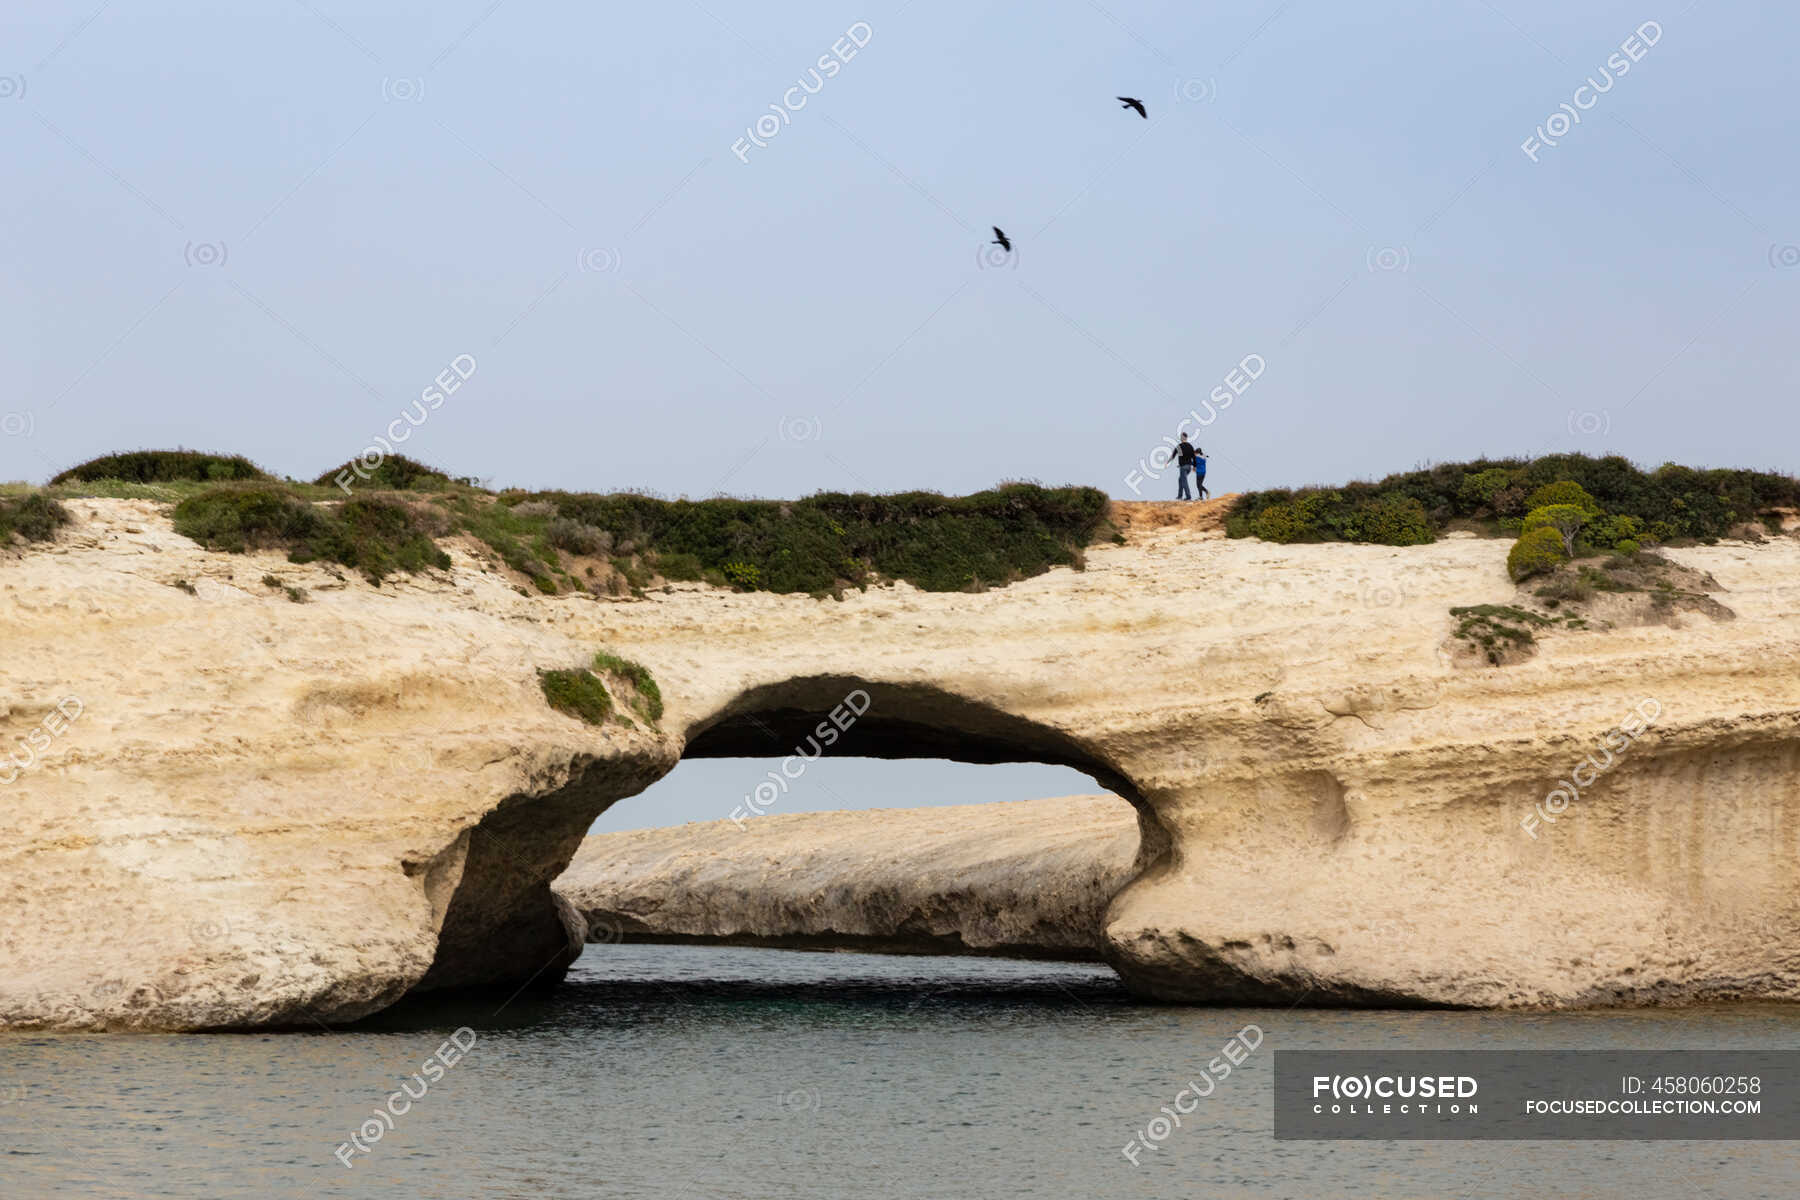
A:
(905, 720)
(505, 925)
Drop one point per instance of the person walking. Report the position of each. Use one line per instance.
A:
(1200, 472)
(1184, 459)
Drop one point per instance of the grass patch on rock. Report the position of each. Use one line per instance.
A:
(520, 539)
(646, 699)
(577, 692)
(583, 692)
(296, 594)
(1499, 633)
(1620, 590)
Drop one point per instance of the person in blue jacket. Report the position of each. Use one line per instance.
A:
(1190, 460)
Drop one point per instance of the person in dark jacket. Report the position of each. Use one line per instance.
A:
(1185, 459)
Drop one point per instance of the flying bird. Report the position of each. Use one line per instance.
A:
(1129, 102)
(1001, 240)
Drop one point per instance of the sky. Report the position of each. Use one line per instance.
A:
(723, 789)
(266, 228)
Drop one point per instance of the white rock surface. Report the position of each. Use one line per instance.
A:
(1030, 878)
(277, 813)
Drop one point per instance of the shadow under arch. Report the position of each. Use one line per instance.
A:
(900, 720)
(907, 720)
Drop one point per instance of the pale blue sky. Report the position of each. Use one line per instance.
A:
(712, 789)
(1618, 294)
(551, 188)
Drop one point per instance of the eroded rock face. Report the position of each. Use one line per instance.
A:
(1026, 878)
(269, 813)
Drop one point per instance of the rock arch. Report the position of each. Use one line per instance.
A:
(304, 812)
(503, 927)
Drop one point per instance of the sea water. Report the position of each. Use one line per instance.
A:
(717, 1073)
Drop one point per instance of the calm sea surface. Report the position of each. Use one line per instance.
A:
(677, 1072)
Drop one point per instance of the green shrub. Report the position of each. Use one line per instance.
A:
(682, 567)
(825, 541)
(1626, 547)
(1564, 491)
(819, 544)
(1605, 533)
(1277, 523)
(1536, 552)
(394, 473)
(1671, 502)
(1566, 519)
(162, 466)
(374, 535)
(1395, 521)
(742, 574)
(241, 517)
(377, 536)
(1329, 516)
(1479, 489)
(1304, 518)
(35, 517)
(1509, 503)
(577, 693)
(576, 537)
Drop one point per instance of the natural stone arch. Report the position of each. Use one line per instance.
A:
(504, 927)
(346, 800)
(909, 720)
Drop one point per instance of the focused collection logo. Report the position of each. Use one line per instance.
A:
(1395, 1095)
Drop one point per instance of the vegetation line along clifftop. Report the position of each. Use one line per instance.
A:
(394, 516)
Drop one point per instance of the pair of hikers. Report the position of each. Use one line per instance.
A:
(1190, 458)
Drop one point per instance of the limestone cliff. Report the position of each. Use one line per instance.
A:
(1029, 878)
(270, 813)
